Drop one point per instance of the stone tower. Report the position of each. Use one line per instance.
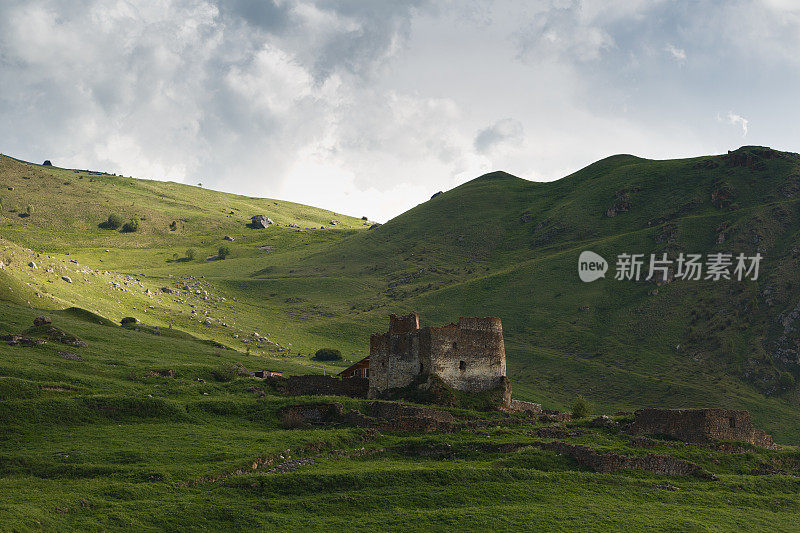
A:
(469, 356)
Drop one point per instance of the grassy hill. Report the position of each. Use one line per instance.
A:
(498, 245)
(155, 427)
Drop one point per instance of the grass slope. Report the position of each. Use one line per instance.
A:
(498, 245)
(106, 443)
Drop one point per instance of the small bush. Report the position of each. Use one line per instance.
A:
(114, 221)
(786, 381)
(292, 419)
(190, 254)
(131, 226)
(581, 408)
(129, 320)
(229, 373)
(328, 354)
(29, 210)
(223, 252)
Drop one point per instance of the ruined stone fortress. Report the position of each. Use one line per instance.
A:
(469, 356)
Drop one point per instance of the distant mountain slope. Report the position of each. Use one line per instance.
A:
(503, 246)
(73, 203)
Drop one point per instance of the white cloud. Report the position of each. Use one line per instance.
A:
(505, 131)
(374, 106)
(678, 54)
(735, 120)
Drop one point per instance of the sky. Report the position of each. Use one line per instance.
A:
(369, 107)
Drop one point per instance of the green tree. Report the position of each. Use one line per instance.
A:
(328, 354)
(190, 254)
(131, 225)
(581, 408)
(114, 221)
(223, 252)
(29, 210)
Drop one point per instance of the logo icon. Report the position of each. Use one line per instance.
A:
(591, 266)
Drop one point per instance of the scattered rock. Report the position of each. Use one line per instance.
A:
(549, 415)
(42, 321)
(47, 163)
(32, 265)
(166, 290)
(228, 238)
(261, 222)
(168, 373)
(666, 487)
(67, 279)
(432, 197)
(603, 421)
(258, 392)
(559, 432)
(70, 355)
(764, 469)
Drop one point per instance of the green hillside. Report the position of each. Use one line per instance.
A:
(497, 245)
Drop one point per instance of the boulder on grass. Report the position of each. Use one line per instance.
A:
(42, 321)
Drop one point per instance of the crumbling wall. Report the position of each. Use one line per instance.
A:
(468, 356)
(313, 384)
(471, 356)
(611, 462)
(394, 361)
(699, 425)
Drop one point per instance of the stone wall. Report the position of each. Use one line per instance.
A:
(699, 425)
(321, 385)
(611, 462)
(394, 361)
(468, 356)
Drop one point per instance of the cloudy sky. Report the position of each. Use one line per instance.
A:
(368, 107)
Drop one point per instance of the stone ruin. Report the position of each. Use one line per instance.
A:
(699, 425)
(469, 356)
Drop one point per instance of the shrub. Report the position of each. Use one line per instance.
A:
(131, 225)
(229, 372)
(581, 408)
(328, 354)
(190, 254)
(114, 221)
(129, 320)
(786, 381)
(223, 252)
(29, 210)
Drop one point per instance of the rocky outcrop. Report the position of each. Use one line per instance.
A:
(260, 222)
(42, 321)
